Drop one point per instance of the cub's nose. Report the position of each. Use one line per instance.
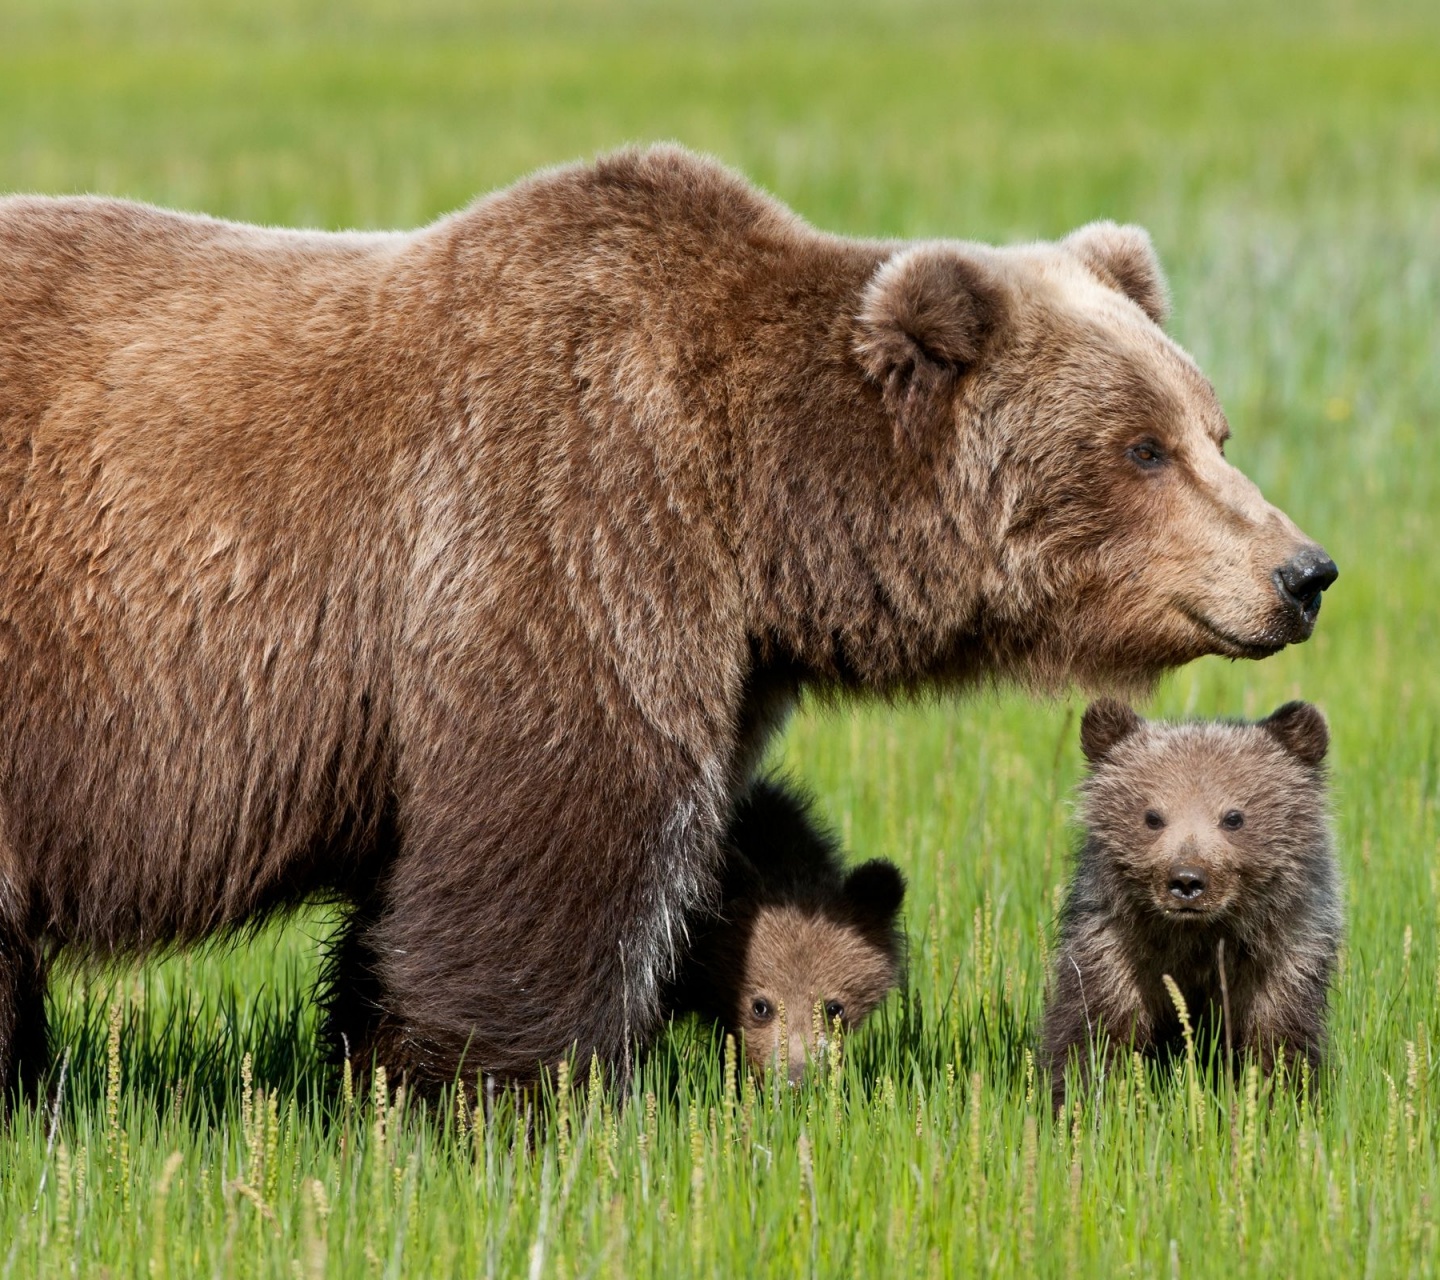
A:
(1302, 581)
(1187, 883)
(797, 1068)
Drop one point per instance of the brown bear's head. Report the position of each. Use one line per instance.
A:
(1207, 823)
(796, 967)
(1081, 458)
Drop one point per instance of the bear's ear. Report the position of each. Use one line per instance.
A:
(874, 892)
(925, 318)
(1107, 723)
(1301, 730)
(1124, 258)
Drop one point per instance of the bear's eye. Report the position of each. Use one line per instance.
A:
(1153, 820)
(1147, 455)
(834, 1010)
(1233, 820)
(760, 1007)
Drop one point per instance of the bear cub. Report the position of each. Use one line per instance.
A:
(1208, 858)
(794, 933)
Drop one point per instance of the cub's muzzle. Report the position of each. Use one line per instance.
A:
(1187, 885)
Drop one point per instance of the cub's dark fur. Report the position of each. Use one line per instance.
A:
(1207, 845)
(794, 930)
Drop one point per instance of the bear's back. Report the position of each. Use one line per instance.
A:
(192, 690)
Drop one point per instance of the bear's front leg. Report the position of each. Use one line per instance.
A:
(534, 906)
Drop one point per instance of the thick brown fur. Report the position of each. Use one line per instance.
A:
(1207, 857)
(463, 574)
(797, 942)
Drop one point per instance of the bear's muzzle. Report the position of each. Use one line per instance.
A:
(1301, 583)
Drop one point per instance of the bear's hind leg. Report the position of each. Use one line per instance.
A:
(350, 994)
(24, 1038)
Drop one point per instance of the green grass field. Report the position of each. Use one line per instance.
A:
(1287, 160)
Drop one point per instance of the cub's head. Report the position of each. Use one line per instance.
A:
(1208, 823)
(1081, 455)
(784, 960)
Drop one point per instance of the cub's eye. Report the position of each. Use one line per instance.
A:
(1147, 455)
(760, 1007)
(1233, 820)
(833, 1010)
(1153, 820)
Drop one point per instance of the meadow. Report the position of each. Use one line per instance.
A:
(1286, 159)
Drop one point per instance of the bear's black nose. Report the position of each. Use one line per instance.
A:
(1302, 580)
(1187, 883)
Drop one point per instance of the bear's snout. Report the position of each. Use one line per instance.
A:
(1302, 581)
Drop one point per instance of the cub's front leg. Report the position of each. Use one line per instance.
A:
(1286, 1018)
(1094, 1000)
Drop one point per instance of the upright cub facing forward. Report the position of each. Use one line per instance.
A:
(1207, 858)
(794, 934)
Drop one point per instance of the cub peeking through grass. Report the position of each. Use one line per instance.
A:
(1207, 858)
(798, 943)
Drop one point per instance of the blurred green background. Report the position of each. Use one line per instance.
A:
(909, 118)
(1286, 159)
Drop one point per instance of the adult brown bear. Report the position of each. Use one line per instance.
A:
(463, 574)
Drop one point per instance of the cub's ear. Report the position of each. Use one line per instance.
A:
(1301, 730)
(1124, 258)
(1107, 723)
(874, 892)
(925, 318)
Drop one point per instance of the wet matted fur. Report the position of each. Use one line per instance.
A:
(1207, 857)
(463, 574)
